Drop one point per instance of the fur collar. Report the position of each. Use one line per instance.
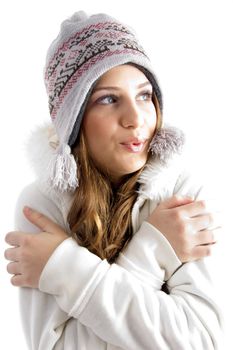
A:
(155, 179)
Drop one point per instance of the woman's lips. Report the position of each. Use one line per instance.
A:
(134, 147)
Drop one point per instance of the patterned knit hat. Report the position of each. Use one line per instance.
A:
(85, 48)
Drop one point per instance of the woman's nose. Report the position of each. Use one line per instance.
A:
(132, 116)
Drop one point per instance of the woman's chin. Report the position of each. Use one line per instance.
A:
(126, 169)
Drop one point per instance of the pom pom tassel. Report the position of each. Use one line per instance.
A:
(63, 170)
(167, 142)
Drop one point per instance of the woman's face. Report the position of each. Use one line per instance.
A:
(119, 121)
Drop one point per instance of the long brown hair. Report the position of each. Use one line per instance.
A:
(100, 216)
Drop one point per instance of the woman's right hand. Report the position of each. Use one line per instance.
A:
(188, 226)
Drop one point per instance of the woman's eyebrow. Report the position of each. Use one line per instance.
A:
(147, 83)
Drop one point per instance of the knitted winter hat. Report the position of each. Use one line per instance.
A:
(85, 48)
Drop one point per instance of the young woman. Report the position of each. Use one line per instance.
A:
(120, 258)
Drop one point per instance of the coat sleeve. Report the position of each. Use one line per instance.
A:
(42, 319)
(123, 308)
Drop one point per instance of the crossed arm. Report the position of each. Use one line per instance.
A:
(182, 221)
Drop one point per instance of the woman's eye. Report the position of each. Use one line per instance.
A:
(106, 100)
(146, 96)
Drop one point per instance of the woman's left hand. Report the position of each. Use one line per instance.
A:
(30, 252)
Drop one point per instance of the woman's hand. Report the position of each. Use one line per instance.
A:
(31, 252)
(188, 226)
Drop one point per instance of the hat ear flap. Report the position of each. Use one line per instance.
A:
(78, 122)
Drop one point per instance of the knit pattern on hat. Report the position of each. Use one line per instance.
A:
(83, 50)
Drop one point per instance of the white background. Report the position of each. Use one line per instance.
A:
(190, 44)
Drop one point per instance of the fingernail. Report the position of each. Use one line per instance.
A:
(27, 210)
